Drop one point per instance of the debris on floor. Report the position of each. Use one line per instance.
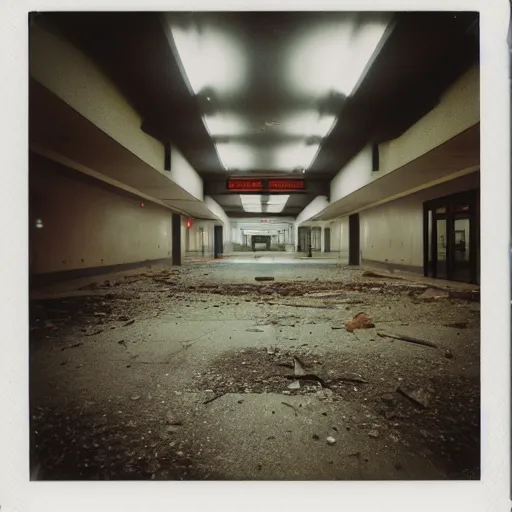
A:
(107, 420)
(419, 396)
(360, 321)
(409, 339)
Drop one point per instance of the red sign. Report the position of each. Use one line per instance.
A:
(245, 185)
(280, 185)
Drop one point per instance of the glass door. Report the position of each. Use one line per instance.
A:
(450, 238)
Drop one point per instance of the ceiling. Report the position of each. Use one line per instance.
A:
(276, 93)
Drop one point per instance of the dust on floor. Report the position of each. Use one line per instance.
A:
(193, 373)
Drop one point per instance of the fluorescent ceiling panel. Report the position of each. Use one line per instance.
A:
(236, 156)
(332, 57)
(253, 203)
(307, 124)
(292, 156)
(225, 124)
(211, 59)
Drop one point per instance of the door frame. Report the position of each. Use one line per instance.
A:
(471, 198)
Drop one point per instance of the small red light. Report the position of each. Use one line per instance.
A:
(142, 205)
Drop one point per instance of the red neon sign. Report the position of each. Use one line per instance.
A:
(275, 185)
(251, 185)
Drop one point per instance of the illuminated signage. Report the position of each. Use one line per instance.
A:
(274, 185)
(265, 185)
(245, 185)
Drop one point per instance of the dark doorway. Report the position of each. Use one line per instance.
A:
(327, 239)
(353, 239)
(451, 237)
(218, 243)
(303, 242)
(176, 239)
(260, 240)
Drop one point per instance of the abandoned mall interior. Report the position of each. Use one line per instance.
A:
(254, 246)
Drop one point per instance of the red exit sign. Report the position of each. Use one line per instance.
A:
(282, 185)
(245, 185)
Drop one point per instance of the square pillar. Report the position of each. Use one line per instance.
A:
(176, 239)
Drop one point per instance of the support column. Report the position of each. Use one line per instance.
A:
(176, 239)
(322, 238)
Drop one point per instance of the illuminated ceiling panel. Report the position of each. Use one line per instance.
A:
(318, 59)
(333, 56)
(259, 204)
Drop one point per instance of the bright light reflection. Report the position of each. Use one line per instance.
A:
(291, 156)
(224, 125)
(236, 156)
(252, 203)
(211, 59)
(307, 124)
(333, 57)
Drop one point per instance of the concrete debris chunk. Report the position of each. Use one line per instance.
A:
(360, 321)
(419, 396)
(130, 322)
(298, 368)
(294, 385)
(331, 440)
(431, 294)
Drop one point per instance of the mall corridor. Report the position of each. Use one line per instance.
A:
(254, 246)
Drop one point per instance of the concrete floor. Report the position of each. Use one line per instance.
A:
(197, 386)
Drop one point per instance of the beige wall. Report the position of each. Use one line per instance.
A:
(90, 224)
(393, 232)
(458, 110)
(339, 236)
(73, 77)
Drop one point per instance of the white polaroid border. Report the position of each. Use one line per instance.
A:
(491, 493)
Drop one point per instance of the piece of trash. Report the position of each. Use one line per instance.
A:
(349, 377)
(264, 278)
(419, 396)
(360, 321)
(298, 366)
(431, 294)
(294, 385)
(271, 351)
(72, 346)
(457, 325)
(130, 322)
(135, 397)
(331, 440)
(448, 354)
(409, 339)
